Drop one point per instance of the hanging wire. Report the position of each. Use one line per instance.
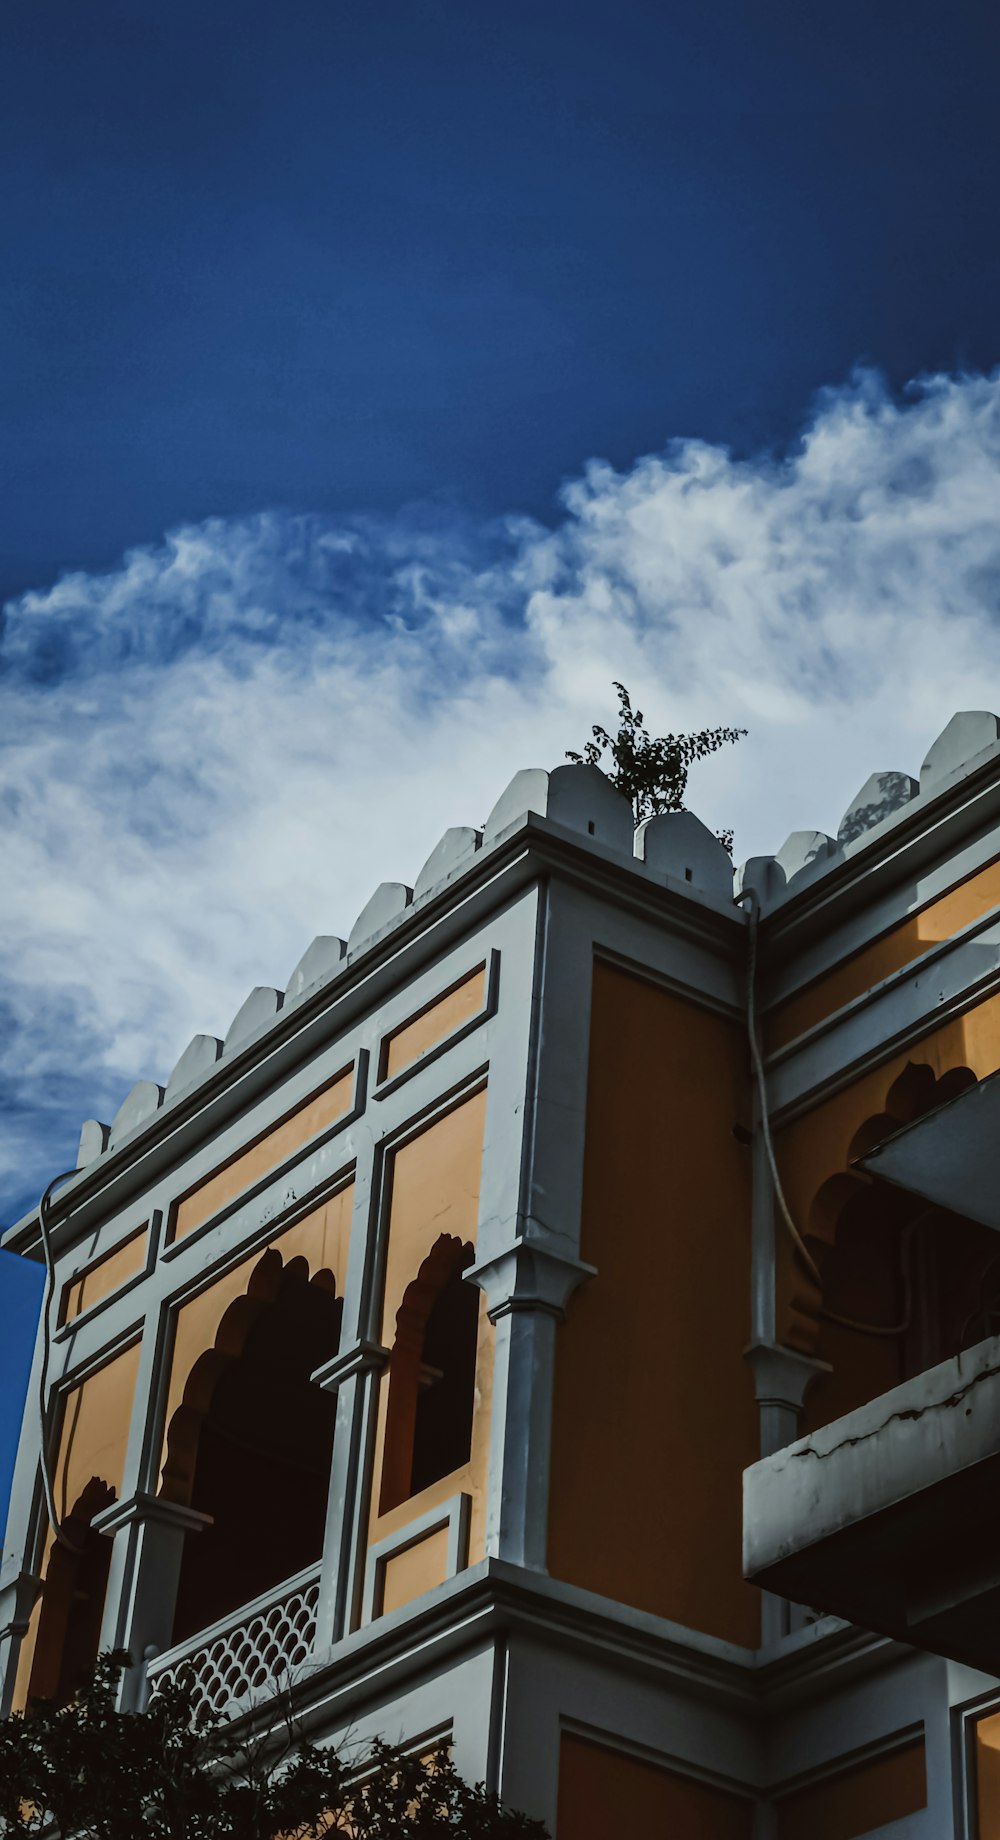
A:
(750, 897)
(43, 1379)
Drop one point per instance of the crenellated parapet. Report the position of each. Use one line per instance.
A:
(675, 848)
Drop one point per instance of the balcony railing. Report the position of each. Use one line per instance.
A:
(249, 1654)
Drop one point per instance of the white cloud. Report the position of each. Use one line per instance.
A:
(219, 748)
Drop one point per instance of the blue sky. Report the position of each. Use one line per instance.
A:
(378, 383)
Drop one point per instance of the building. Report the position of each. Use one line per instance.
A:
(408, 1347)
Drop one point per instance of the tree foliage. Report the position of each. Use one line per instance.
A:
(86, 1771)
(651, 771)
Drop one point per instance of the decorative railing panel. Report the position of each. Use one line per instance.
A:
(250, 1654)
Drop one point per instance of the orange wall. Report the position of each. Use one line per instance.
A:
(654, 1415)
(324, 1108)
(859, 1800)
(433, 1024)
(104, 1276)
(606, 1794)
(988, 1777)
(322, 1238)
(416, 1569)
(93, 1441)
(943, 918)
(435, 1189)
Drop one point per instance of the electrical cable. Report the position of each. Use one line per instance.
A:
(888, 1329)
(43, 1378)
(750, 896)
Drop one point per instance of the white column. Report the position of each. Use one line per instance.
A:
(527, 1286)
(782, 1379)
(149, 1535)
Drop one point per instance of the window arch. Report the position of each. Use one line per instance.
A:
(904, 1285)
(252, 1441)
(72, 1605)
(432, 1375)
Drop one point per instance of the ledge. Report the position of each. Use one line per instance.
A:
(890, 1516)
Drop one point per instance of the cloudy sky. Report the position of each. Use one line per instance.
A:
(379, 383)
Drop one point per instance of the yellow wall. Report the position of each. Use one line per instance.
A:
(104, 1276)
(654, 1416)
(988, 1777)
(435, 1189)
(321, 1238)
(417, 1569)
(92, 1443)
(941, 920)
(606, 1794)
(323, 1109)
(859, 1800)
(440, 1019)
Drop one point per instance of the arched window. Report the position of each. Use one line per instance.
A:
(264, 1435)
(904, 1285)
(72, 1606)
(432, 1375)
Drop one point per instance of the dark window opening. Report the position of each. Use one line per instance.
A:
(432, 1376)
(904, 1287)
(265, 1446)
(72, 1607)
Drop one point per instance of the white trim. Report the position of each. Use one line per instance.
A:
(453, 1514)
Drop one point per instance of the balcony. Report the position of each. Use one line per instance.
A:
(890, 1516)
(249, 1654)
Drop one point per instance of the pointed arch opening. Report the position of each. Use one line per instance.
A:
(904, 1285)
(72, 1601)
(251, 1443)
(432, 1375)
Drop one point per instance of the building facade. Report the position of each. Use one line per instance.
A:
(408, 1347)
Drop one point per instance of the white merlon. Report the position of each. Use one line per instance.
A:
(144, 1099)
(806, 850)
(201, 1053)
(581, 798)
(93, 1141)
(763, 874)
(259, 1007)
(880, 796)
(319, 960)
(679, 845)
(969, 733)
(454, 851)
(388, 903)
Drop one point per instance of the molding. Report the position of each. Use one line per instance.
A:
(281, 1170)
(152, 1226)
(452, 1514)
(927, 829)
(533, 849)
(529, 1274)
(364, 1357)
(817, 1065)
(144, 1508)
(781, 1376)
(17, 1600)
(487, 1008)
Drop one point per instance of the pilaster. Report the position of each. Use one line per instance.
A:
(527, 1287)
(149, 1535)
(782, 1378)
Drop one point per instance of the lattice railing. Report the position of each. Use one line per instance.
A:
(250, 1653)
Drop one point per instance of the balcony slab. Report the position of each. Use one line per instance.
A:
(890, 1516)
